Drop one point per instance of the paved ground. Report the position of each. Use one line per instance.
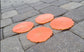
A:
(16, 11)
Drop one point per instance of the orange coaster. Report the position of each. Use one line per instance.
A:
(44, 18)
(23, 27)
(39, 34)
(62, 23)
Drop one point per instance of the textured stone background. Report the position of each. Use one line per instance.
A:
(16, 11)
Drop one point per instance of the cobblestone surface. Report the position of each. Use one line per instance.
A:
(77, 30)
(7, 31)
(25, 42)
(59, 2)
(77, 14)
(16, 11)
(21, 17)
(6, 22)
(47, 1)
(21, 10)
(41, 6)
(11, 44)
(9, 14)
(71, 5)
(54, 10)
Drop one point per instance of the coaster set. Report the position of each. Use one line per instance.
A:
(41, 34)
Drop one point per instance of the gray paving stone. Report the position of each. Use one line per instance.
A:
(71, 5)
(82, 2)
(5, 3)
(11, 44)
(1, 35)
(76, 0)
(79, 29)
(77, 14)
(54, 31)
(53, 10)
(47, 1)
(24, 16)
(32, 19)
(31, 1)
(7, 31)
(6, 22)
(61, 42)
(25, 42)
(41, 6)
(59, 2)
(6, 8)
(35, 4)
(9, 14)
(23, 9)
(16, 2)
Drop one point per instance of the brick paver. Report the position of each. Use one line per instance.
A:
(77, 14)
(7, 31)
(71, 5)
(23, 16)
(54, 10)
(16, 11)
(9, 14)
(59, 2)
(25, 42)
(6, 22)
(79, 29)
(11, 44)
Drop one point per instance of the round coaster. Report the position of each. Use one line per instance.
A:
(39, 34)
(62, 23)
(44, 18)
(23, 27)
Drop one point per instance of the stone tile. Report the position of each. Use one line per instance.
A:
(25, 42)
(32, 19)
(7, 31)
(82, 2)
(31, 1)
(77, 14)
(41, 6)
(47, 1)
(16, 2)
(79, 29)
(54, 31)
(6, 8)
(9, 14)
(59, 2)
(11, 44)
(1, 35)
(71, 5)
(23, 9)
(24, 16)
(53, 10)
(5, 4)
(6, 22)
(36, 4)
(76, 0)
(61, 42)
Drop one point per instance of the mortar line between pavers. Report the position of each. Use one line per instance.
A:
(21, 44)
(76, 34)
(2, 33)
